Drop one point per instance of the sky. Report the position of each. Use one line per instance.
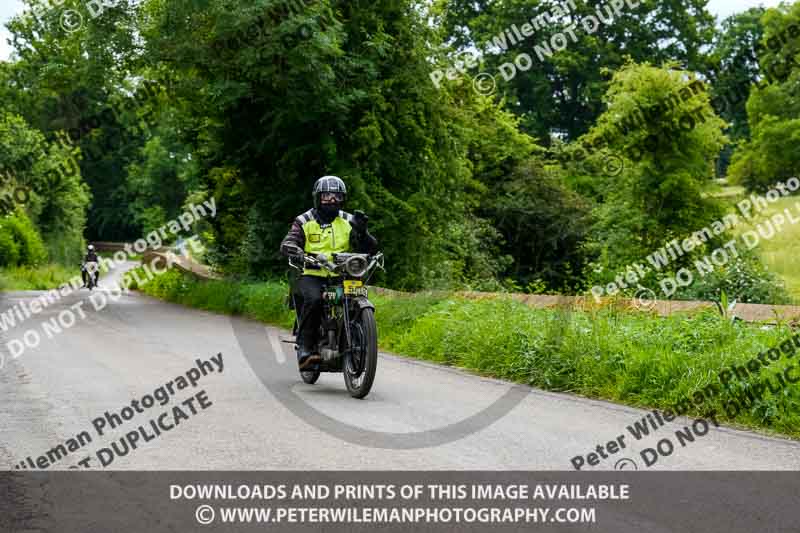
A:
(721, 8)
(8, 8)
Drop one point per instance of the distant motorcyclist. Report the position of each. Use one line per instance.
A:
(325, 229)
(91, 257)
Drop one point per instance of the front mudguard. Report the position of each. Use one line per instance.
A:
(361, 303)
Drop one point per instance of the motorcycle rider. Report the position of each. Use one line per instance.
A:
(324, 229)
(91, 256)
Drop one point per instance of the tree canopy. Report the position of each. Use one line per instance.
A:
(585, 158)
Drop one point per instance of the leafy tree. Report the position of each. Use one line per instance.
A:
(20, 243)
(773, 108)
(286, 97)
(734, 68)
(662, 122)
(562, 93)
(160, 181)
(162, 102)
(545, 226)
(58, 196)
(84, 83)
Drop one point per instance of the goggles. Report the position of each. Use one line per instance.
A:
(332, 197)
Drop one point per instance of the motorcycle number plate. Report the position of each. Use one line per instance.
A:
(329, 295)
(354, 287)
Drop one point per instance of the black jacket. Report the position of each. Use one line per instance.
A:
(360, 242)
(90, 257)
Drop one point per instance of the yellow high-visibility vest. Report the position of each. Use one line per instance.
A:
(333, 238)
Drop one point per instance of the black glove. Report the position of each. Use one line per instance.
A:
(360, 221)
(294, 251)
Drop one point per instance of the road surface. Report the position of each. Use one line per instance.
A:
(136, 344)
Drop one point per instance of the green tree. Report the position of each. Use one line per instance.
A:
(282, 97)
(734, 67)
(662, 122)
(20, 243)
(733, 70)
(773, 109)
(160, 181)
(562, 93)
(545, 226)
(85, 83)
(58, 197)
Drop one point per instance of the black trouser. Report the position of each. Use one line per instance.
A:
(308, 305)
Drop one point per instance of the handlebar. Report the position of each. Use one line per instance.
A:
(322, 261)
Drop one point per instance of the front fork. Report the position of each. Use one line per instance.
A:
(346, 325)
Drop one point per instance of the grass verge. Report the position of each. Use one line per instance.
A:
(35, 278)
(779, 253)
(632, 358)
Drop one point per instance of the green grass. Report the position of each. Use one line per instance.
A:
(263, 301)
(632, 358)
(779, 253)
(35, 278)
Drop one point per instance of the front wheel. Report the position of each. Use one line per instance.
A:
(361, 361)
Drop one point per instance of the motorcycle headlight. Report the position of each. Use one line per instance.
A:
(356, 266)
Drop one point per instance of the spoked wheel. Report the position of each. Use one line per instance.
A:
(362, 360)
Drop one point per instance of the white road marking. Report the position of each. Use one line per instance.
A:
(277, 347)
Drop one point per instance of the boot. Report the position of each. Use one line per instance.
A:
(306, 360)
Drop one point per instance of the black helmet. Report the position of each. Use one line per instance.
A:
(329, 184)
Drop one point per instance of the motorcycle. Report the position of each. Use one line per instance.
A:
(348, 335)
(92, 270)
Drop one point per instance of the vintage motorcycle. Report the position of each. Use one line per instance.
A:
(348, 335)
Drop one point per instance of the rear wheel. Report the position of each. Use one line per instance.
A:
(361, 362)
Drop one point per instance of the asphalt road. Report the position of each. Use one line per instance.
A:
(262, 417)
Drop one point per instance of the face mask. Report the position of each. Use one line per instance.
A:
(328, 212)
